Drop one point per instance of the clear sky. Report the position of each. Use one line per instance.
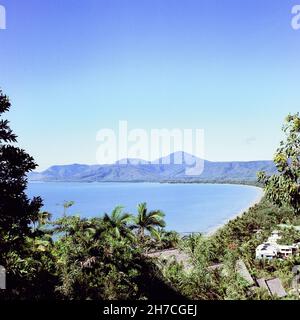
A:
(73, 67)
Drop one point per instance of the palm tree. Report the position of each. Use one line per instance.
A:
(67, 205)
(42, 218)
(147, 221)
(166, 239)
(118, 221)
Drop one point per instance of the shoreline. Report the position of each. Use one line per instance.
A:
(211, 230)
(215, 229)
(249, 183)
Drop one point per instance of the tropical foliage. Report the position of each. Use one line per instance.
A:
(147, 221)
(284, 188)
(108, 257)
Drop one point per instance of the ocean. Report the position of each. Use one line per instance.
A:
(188, 207)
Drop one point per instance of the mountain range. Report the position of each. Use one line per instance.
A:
(135, 170)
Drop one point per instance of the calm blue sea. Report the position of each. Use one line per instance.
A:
(188, 207)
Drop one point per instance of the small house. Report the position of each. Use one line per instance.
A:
(266, 251)
(276, 288)
(273, 286)
(285, 251)
(244, 272)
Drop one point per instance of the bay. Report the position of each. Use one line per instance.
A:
(188, 207)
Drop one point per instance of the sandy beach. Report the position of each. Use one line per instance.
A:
(234, 216)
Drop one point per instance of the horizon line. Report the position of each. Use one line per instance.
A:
(150, 162)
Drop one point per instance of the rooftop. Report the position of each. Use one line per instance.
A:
(276, 288)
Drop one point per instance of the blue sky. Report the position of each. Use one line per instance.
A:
(71, 68)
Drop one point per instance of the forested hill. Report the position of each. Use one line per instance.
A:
(139, 170)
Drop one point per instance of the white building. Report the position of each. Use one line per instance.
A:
(285, 251)
(271, 249)
(266, 251)
(274, 250)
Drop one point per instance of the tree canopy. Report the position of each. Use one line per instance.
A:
(283, 188)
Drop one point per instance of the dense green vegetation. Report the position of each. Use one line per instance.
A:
(236, 240)
(240, 237)
(71, 258)
(284, 188)
(107, 257)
